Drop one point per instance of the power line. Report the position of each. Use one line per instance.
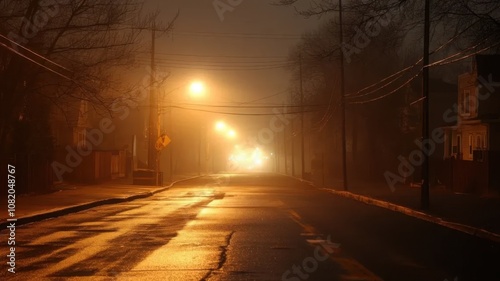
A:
(240, 35)
(221, 64)
(250, 106)
(77, 83)
(217, 56)
(264, 98)
(389, 93)
(401, 72)
(325, 119)
(179, 66)
(443, 62)
(35, 62)
(236, 113)
(219, 61)
(330, 115)
(34, 53)
(440, 62)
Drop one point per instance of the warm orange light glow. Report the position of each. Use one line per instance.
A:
(197, 89)
(220, 126)
(231, 134)
(248, 158)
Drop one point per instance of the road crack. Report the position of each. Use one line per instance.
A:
(222, 257)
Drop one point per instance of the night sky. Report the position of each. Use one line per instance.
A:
(240, 57)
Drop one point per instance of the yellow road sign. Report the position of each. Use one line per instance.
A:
(162, 142)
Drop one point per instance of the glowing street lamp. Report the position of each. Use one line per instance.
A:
(231, 134)
(197, 89)
(220, 126)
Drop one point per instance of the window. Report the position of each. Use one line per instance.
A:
(470, 144)
(466, 102)
(81, 139)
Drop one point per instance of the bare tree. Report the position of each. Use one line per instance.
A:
(481, 18)
(62, 50)
(459, 29)
(318, 55)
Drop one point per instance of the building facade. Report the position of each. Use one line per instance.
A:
(473, 143)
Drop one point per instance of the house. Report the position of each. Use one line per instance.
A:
(81, 153)
(473, 143)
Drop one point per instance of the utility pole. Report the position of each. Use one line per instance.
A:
(292, 142)
(276, 154)
(293, 157)
(284, 151)
(424, 196)
(199, 150)
(303, 168)
(171, 149)
(153, 113)
(342, 101)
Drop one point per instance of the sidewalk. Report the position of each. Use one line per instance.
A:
(68, 198)
(472, 214)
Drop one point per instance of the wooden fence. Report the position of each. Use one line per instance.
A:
(478, 177)
(95, 167)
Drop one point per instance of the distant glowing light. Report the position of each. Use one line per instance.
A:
(197, 88)
(231, 134)
(220, 126)
(251, 158)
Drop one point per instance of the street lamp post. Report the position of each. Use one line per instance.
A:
(196, 90)
(153, 130)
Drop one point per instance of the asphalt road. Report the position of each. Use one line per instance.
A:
(246, 227)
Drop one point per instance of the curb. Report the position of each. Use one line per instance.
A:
(85, 206)
(299, 179)
(473, 231)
